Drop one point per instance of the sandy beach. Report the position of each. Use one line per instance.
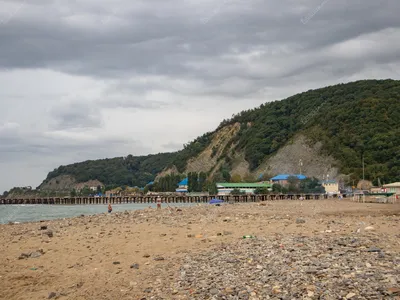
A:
(300, 250)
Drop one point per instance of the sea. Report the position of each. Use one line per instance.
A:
(36, 212)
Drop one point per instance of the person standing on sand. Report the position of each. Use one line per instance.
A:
(158, 202)
(109, 208)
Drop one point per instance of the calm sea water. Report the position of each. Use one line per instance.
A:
(28, 213)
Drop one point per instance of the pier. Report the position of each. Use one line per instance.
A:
(165, 199)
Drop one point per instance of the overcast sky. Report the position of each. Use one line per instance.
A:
(92, 79)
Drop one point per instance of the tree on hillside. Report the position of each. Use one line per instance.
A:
(202, 182)
(261, 191)
(311, 185)
(265, 177)
(236, 191)
(193, 182)
(249, 178)
(212, 188)
(293, 184)
(236, 178)
(167, 183)
(85, 191)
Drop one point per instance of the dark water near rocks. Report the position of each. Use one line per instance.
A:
(37, 212)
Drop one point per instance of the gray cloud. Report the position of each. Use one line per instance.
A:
(90, 79)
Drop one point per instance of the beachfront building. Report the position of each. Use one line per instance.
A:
(282, 179)
(183, 186)
(225, 188)
(392, 188)
(377, 190)
(331, 186)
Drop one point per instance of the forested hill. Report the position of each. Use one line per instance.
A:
(351, 120)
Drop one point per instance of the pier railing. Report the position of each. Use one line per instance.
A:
(165, 199)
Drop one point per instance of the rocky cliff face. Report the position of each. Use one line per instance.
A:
(299, 150)
(209, 158)
(286, 161)
(67, 183)
(60, 183)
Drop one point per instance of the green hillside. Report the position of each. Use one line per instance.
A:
(130, 170)
(351, 120)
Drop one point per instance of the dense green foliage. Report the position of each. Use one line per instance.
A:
(168, 183)
(353, 120)
(261, 191)
(307, 186)
(130, 170)
(311, 186)
(237, 192)
(197, 182)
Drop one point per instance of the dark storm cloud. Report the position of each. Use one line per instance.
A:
(144, 41)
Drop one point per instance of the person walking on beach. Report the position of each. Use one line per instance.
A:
(158, 202)
(109, 208)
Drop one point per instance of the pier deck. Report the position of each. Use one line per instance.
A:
(165, 199)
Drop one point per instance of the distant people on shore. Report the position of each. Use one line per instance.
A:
(158, 202)
(109, 208)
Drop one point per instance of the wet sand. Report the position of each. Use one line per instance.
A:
(93, 257)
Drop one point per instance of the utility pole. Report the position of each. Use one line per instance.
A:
(363, 167)
(300, 164)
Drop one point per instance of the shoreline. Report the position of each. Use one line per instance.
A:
(50, 209)
(172, 254)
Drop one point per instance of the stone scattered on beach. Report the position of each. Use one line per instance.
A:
(24, 255)
(35, 254)
(288, 267)
(135, 266)
(300, 221)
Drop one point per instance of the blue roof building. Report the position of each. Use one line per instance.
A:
(285, 177)
(183, 186)
(184, 182)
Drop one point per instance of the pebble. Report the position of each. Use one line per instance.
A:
(35, 254)
(135, 266)
(261, 269)
(350, 295)
(374, 249)
(214, 291)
